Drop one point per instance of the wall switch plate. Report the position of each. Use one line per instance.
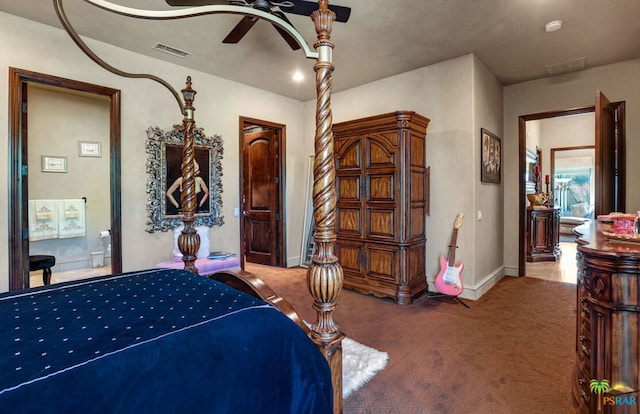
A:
(479, 215)
(236, 212)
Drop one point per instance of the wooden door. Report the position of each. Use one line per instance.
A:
(610, 155)
(260, 198)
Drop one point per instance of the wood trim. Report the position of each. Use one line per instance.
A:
(522, 145)
(18, 190)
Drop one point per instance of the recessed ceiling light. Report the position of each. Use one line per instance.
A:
(553, 25)
(298, 76)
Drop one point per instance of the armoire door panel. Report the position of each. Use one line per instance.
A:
(416, 263)
(348, 188)
(417, 152)
(349, 154)
(417, 222)
(381, 188)
(349, 221)
(350, 257)
(417, 186)
(381, 223)
(379, 153)
(381, 263)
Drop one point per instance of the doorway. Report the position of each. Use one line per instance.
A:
(609, 166)
(20, 81)
(262, 224)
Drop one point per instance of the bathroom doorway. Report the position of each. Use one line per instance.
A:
(58, 160)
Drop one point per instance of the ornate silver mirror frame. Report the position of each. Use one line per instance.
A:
(164, 155)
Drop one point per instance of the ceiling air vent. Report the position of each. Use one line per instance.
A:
(566, 67)
(171, 50)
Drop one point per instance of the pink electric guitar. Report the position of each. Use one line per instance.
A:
(448, 280)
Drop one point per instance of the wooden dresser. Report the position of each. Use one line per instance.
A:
(543, 234)
(608, 321)
(381, 204)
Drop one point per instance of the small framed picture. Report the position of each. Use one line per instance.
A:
(89, 149)
(52, 163)
(491, 161)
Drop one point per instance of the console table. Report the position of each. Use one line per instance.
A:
(607, 322)
(543, 234)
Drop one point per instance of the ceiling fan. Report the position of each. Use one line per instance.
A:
(277, 8)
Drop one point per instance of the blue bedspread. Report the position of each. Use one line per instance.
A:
(157, 341)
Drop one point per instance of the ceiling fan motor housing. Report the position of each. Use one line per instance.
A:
(263, 5)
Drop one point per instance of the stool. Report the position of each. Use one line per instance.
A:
(44, 263)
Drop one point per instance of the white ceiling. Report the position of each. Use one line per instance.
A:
(382, 38)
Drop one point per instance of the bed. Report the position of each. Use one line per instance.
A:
(132, 343)
(190, 366)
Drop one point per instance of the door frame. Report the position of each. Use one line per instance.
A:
(19, 80)
(522, 196)
(280, 133)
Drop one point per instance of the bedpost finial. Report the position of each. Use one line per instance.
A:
(189, 95)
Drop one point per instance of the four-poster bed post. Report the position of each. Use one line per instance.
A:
(324, 274)
(189, 240)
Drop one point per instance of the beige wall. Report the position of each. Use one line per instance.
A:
(219, 104)
(620, 82)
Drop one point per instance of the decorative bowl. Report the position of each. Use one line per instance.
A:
(537, 199)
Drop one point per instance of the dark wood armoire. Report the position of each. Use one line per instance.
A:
(381, 204)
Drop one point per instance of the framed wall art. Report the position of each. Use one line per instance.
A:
(89, 149)
(53, 163)
(491, 158)
(164, 184)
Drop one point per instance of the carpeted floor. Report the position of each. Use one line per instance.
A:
(511, 352)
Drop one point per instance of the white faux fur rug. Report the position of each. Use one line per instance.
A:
(360, 363)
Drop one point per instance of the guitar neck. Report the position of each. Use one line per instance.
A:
(452, 248)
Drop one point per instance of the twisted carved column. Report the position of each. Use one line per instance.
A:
(189, 240)
(324, 275)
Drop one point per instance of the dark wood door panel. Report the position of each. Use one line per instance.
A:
(260, 197)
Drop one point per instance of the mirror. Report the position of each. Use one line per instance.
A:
(164, 149)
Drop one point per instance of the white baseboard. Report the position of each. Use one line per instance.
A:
(293, 261)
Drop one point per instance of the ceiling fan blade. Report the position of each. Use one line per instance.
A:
(186, 3)
(240, 30)
(305, 8)
(285, 35)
